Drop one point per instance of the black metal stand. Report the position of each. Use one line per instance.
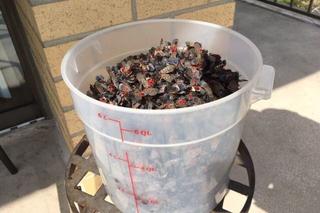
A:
(78, 166)
(7, 162)
(244, 160)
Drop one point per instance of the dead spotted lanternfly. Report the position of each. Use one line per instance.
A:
(166, 77)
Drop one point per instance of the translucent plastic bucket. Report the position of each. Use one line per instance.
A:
(174, 160)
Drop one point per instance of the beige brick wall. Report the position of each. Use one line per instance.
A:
(73, 122)
(147, 8)
(54, 56)
(65, 18)
(64, 95)
(54, 28)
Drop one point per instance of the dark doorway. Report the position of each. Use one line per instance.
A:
(17, 101)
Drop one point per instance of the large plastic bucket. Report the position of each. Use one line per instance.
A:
(174, 160)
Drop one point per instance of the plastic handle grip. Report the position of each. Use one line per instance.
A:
(264, 85)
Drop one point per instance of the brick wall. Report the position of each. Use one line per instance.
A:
(54, 26)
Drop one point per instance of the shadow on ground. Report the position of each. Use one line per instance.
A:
(34, 150)
(290, 45)
(285, 150)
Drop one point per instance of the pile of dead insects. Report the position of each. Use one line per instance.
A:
(166, 77)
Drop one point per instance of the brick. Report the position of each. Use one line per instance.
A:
(65, 18)
(64, 95)
(221, 14)
(74, 124)
(147, 8)
(55, 55)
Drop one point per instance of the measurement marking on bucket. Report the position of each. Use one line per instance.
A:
(144, 200)
(130, 165)
(141, 132)
(143, 167)
(138, 132)
(132, 185)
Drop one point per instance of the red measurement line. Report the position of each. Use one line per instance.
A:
(114, 120)
(150, 200)
(121, 132)
(132, 185)
(121, 159)
(105, 117)
(116, 157)
(128, 130)
(133, 131)
(143, 167)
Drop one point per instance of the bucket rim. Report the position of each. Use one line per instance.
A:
(69, 55)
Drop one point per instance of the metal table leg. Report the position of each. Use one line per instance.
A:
(7, 162)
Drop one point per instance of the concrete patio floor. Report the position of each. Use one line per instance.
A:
(39, 184)
(282, 134)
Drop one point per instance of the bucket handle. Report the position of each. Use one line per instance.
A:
(264, 85)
